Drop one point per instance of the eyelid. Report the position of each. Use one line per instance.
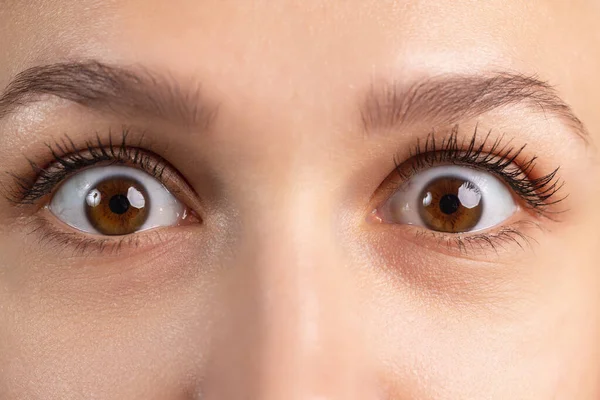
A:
(478, 246)
(68, 160)
(70, 243)
(514, 166)
(538, 192)
(74, 243)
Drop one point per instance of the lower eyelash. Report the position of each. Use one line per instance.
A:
(78, 245)
(465, 244)
(538, 193)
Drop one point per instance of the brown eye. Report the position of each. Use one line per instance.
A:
(450, 198)
(116, 200)
(117, 206)
(451, 205)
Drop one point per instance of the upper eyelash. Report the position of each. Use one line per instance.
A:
(538, 193)
(68, 159)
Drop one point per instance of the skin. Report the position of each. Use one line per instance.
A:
(288, 289)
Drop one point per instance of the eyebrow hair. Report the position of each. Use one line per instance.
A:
(137, 91)
(118, 90)
(453, 98)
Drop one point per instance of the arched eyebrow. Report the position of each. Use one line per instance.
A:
(138, 92)
(450, 99)
(124, 91)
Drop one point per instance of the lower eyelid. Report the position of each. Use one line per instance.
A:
(517, 234)
(66, 242)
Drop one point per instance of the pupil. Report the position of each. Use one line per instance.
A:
(118, 204)
(449, 204)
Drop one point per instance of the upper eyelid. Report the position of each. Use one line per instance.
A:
(68, 158)
(511, 163)
(119, 150)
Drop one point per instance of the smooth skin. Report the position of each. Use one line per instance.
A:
(287, 289)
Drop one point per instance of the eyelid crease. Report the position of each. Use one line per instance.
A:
(69, 159)
(498, 157)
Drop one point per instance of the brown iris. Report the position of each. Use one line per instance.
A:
(451, 204)
(117, 206)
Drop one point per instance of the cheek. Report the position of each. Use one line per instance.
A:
(496, 348)
(64, 351)
(449, 328)
(73, 328)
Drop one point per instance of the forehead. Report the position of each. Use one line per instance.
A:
(274, 52)
(284, 40)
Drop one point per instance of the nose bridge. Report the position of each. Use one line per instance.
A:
(309, 325)
(306, 339)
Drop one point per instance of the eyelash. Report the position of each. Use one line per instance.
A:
(500, 159)
(496, 157)
(69, 159)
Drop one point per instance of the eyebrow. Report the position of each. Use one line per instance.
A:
(138, 91)
(453, 98)
(118, 90)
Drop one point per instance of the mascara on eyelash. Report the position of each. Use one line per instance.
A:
(538, 193)
(68, 159)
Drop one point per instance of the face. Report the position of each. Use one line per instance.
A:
(337, 200)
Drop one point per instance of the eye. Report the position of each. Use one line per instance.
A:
(452, 199)
(115, 200)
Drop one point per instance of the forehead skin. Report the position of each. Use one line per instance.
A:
(293, 50)
(288, 76)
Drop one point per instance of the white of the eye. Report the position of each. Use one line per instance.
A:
(68, 203)
(498, 203)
